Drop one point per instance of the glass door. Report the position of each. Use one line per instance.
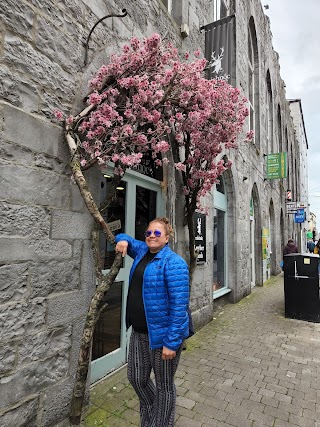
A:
(220, 247)
(137, 202)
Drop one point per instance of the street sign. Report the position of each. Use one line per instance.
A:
(291, 207)
(299, 216)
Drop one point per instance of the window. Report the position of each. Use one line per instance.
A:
(251, 82)
(168, 4)
(280, 129)
(219, 10)
(269, 115)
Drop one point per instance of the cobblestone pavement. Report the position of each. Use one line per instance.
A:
(249, 367)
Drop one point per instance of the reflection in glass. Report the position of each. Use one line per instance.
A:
(115, 211)
(146, 204)
(218, 250)
(106, 337)
(220, 185)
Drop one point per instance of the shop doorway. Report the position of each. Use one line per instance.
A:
(139, 200)
(252, 245)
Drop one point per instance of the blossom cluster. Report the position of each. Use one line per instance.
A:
(147, 98)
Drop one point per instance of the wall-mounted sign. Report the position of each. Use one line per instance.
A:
(276, 165)
(114, 225)
(291, 207)
(265, 243)
(299, 216)
(199, 221)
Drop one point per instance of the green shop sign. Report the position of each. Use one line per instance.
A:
(276, 165)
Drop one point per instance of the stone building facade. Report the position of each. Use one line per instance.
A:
(302, 181)
(46, 271)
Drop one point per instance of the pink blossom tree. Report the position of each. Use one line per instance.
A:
(149, 100)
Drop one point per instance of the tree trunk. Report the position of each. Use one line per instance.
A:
(85, 349)
(104, 283)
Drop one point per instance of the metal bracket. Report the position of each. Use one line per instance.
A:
(125, 13)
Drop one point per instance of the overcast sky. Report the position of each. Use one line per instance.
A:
(295, 27)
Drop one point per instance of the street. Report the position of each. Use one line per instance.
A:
(249, 367)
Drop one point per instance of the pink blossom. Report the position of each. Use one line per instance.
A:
(146, 97)
(180, 166)
(58, 114)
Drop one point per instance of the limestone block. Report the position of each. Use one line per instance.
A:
(7, 357)
(25, 415)
(29, 131)
(31, 379)
(77, 330)
(23, 58)
(42, 161)
(33, 186)
(101, 9)
(18, 90)
(64, 308)
(13, 152)
(71, 11)
(64, 50)
(54, 277)
(88, 276)
(49, 102)
(56, 403)
(18, 220)
(17, 16)
(23, 249)
(77, 203)
(21, 319)
(71, 225)
(13, 282)
(44, 345)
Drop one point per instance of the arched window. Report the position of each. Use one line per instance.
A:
(279, 129)
(269, 115)
(253, 81)
(219, 9)
(168, 4)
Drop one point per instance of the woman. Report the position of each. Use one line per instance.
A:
(157, 304)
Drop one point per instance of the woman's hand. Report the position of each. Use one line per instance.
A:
(122, 247)
(167, 354)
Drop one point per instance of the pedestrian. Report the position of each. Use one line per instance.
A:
(290, 248)
(311, 246)
(317, 248)
(157, 304)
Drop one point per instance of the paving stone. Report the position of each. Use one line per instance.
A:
(185, 402)
(262, 371)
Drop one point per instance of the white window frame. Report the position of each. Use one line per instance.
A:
(217, 9)
(168, 5)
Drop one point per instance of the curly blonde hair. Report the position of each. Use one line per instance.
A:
(164, 221)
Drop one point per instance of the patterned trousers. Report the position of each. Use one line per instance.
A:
(157, 401)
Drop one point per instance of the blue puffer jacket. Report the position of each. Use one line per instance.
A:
(165, 293)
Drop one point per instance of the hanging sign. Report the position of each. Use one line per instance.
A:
(291, 207)
(299, 216)
(199, 221)
(277, 165)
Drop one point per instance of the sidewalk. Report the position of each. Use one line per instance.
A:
(249, 367)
